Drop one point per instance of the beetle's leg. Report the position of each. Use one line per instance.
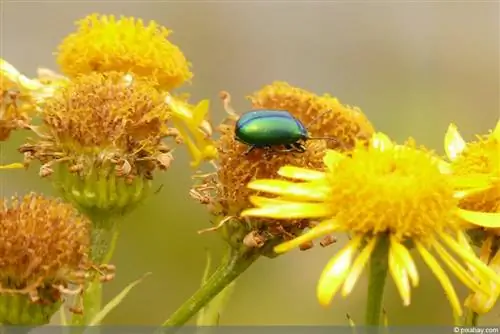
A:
(298, 147)
(288, 148)
(250, 149)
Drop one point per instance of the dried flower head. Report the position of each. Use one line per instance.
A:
(480, 157)
(324, 115)
(103, 43)
(226, 194)
(44, 246)
(103, 132)
(384, 193)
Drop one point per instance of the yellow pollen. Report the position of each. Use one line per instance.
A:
(399, 190)
(104, 43)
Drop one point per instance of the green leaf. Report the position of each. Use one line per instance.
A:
(115, 301)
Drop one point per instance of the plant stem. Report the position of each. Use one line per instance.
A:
(379, 265)
(234, 265)
(103, 246)
(471, 318)
(92, 301)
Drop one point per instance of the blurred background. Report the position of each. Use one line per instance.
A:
(412, 67)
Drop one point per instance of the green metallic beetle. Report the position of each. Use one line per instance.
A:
(267, 128)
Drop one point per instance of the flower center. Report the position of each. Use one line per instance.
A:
(399, 190)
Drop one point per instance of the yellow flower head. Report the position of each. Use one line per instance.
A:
(104, 43)
(386, 191)
(44, 247)
(324, 115)
(227, 196)
(480, 157)
(104, 131)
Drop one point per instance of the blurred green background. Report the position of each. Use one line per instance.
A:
(412, 67)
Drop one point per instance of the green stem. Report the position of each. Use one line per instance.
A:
(92, 301)
(104, 239)
(236, 263)
(379, 265)
(471, 318)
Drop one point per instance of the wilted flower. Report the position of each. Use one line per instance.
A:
(480, 157)
(386, 191)
(102, 140)
(225, 191)
(324, 116)
(44, 246)
(103, 43)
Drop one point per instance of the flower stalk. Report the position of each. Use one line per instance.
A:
(378, 269)
(234, 264)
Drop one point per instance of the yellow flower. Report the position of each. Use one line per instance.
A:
(324, 116)
(480, 157)
(384, 191)
(104, 43)
(104, 132)
(193, 128)
(225, 194)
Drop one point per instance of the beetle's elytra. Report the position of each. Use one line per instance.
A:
(270, 128)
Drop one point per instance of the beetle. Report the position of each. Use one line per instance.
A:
(268, 128)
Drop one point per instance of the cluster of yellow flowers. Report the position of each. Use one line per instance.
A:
(102, 137)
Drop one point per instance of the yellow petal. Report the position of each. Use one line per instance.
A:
(15, 165)
(442, 278)
(471, 258)
(336, 271)
(324, 228)
(332, 158)
(314, 191)
(200, 112)
(483, 219)
(496, 132)
(260, 201)
(298, 173)
(290, 211)
(469, 192)
(454, 144)
(457, 269)
(444, 167)
(472, 181)
(406, 260)
(381, 142)
(357, 267)
(400, 277)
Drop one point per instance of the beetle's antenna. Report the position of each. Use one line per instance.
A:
(226, 102)
(313, 121)
(318, 117)
(322, 138)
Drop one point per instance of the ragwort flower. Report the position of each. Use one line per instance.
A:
(323, 115)
(103, 43)
(44, 247)
(482, 157)
(102, 140)
(384, 191)
(226, 194)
